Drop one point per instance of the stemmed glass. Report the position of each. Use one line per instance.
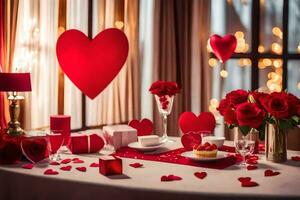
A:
(244, 147)
(56, 140)
(164, 104)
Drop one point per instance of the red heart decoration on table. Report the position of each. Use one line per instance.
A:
(27, 166)
(190, 140)
(170, 178)
(251, 161)
(249, 184)
(244, 179)
(223, 47)
(54, 163)
(82, 169)
(251, 167)
(136, 165)
(50, 172)
(94, 165)
(78, 161)
(200, 175)
(92, 64)
(295, 158)
(66, 168)
(35, 149)
(269, 172)
(188, 122)
(66, 161)
(143, 127)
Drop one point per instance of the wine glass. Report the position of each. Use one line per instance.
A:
(164, 105)
(244, 147)
(56, 140)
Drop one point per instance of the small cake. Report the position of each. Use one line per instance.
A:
(206, 150)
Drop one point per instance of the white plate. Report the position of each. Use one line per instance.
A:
(191, 155)
(138, 146)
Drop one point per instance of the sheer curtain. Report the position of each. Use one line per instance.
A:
(77, 18)
(35, 52)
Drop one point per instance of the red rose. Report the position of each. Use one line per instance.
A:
(298, 110)
(237, 97)
(224, 104)
(162, 88)
(258, 97)
(293, 102)
(249, 114)
(10, 151)
(277, 105)
(230, 116)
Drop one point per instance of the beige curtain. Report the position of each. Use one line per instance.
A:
(119, 102)
(180, 55)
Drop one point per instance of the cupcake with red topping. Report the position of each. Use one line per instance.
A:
(206, 150)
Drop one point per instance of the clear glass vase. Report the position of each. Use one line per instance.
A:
(164, 105)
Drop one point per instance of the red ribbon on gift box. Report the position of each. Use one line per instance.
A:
(85, 143)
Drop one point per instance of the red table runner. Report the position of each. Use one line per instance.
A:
(174, 156)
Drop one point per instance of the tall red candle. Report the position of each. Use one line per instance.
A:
(61, 123)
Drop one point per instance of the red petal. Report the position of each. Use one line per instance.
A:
(50, 172)
(66, 161)
(82, 169)
(136, 165)
(296, 158)
(251, 167)
(74, 159)
(164, 178)
(200, 175)
(27, 166)
(66, 168)
(249, 184)
(269, 172)
(78, 161)
(94, 165)
(54, 163)
(174, 178)
(244, 179)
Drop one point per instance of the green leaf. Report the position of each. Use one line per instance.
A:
(286, 124)
(245, 130)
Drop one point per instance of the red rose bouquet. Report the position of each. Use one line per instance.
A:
(240, 109)
(162, 88)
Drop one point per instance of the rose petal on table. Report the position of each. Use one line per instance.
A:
(54, 163)
(270, 172)
(136, 165)
(81, 169)
(66, 168)
(200, 175)
(295, 158)
(249, 184)
(27, 166)
(66, 161)
(251, 161)
(251, 167)
(50, 172)
(244, 179)
(170, 178)
(94, 165)
(74, 159)
(78, 161)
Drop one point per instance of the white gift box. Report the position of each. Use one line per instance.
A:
(119, 135)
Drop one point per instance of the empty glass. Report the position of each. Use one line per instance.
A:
(244, 147)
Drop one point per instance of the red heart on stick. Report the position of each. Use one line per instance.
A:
(223, 47)
(92, 64)
(143, 127)
(269, 172)
(190, 140)
(189, 122)
(200, 175)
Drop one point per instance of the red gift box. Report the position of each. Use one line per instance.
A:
(83, 143)
(110, 165)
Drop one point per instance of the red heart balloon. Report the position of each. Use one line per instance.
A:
(223, 47)
(189, 122)
(143, 127)
(92, 64)
(189, 140)
(35, 149)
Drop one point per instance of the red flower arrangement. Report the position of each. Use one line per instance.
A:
(247, 110)
(162, 88)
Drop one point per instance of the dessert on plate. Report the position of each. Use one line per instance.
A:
(206, 150)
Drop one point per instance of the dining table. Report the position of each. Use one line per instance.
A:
(144, 183)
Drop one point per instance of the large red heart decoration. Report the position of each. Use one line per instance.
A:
(35, 149)
(143, 127)
(223, 47)
(92, 64)
(190, 140)
(189, 122)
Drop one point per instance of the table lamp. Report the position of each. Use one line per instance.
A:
(14, 82)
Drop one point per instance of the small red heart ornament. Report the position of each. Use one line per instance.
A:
(200, 175)
(81, 169)
(66, 168)
(136, 165)
(54, 163)
(50, 172)
(170, 178)
(223, 47)
(190, 140)
(78, 161)
(143, 127)
(92, 64)
(205, 122)
(270, 172)
(35, 149)
(66, 161)
(94, 165)
(27, 166)
(244, 179)
(249, 184)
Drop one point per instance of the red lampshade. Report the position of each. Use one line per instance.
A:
(15, 82)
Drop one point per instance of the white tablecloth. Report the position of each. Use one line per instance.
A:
(144, 183)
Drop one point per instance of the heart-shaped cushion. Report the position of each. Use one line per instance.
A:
(223, 47)
(35, 149)
(190, 140)
(143, 127)
(92, 64)
(189, 122)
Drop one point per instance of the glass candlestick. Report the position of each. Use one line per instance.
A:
(164, 104)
